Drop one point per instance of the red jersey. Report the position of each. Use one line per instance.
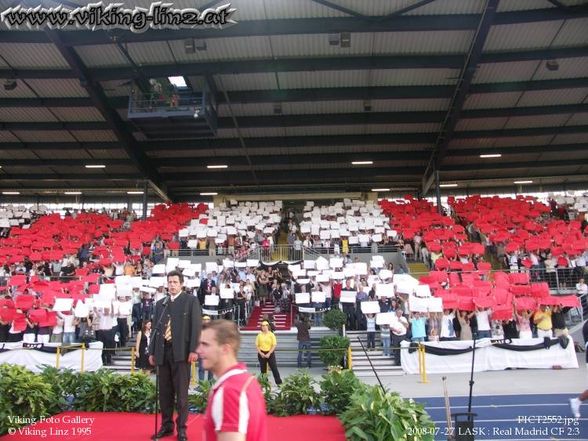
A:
(236, 404)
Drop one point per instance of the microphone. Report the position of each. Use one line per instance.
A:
(165, 300)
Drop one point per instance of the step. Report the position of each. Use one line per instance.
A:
(365, 374)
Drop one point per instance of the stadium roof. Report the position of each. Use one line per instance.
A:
(303, 88)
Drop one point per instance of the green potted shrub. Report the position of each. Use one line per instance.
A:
(337, 387)
(24, 397)
(199, 398)
(335, 319)
(333, 349)
(297, 396)
(375, 414)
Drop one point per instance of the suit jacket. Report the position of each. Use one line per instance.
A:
(186, 324)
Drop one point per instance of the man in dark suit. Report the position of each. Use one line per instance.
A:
(173, 348)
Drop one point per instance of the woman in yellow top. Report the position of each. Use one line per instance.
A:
(266, 345)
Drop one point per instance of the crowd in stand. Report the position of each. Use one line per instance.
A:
(98, 251)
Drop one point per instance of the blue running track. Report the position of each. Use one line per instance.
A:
(514, 417)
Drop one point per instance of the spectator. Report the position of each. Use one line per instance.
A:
(542, 318)
(371, 331)
(201, 369)
(142, 347)
(399, 332)
(304, 342)
(266, 345)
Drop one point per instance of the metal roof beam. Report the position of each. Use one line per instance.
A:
(357, 118)
(461, 93)
(513, 165)
(293, 26)
(302, 64)
(60, 146)
(113, 119)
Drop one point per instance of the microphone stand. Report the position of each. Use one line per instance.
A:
(156, 334)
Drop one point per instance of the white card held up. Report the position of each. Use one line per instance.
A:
(322, 278)
(252, 263)
(81, 310)
(211, 300)
(124, 291)
(228, 263)
(361, 268)
(172, 263)
(435, 304)
(349, 271)
(422, 291)
(336, 262)
(294, 268)
(227, 293)
(309, 264)
(348, 296)
(384, 290)
(322, 264)
(337, 275)
(385, 318)
(108, 291)
(370, 307)
(156, 282)
(417, 304)
(184, 263)
(158, 269)
(353, 240)
(192, 283)
(302, 298)
(62, 305)
(385, 274)
(377, 264)
(211, 266)
(318, 297)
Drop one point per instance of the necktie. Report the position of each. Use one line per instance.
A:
(168, 332)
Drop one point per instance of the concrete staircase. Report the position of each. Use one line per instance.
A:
(286, 352)
(287, 349)
(384, 366)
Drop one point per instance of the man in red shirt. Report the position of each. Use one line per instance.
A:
(236, 406)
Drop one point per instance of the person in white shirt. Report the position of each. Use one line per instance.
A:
(581, 288)
(69, 327)
(483, 320)
(447, 329)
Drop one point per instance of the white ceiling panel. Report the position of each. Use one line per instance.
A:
(297, 9)
(228, 49)
(101, 55)
(44, 136)
(524, 122)
(449, 7)
(55, 88)
(568, 68)
(553, 97)
(94, 135)
(33, 56)
(573, 33)
(410, 105)
(153, 52)
(491, 100)
(480, 124)
(6, 136)
(77, 113)
(459, 144)
(20, 91)
(523, 5)
(255, 81)
(510, 141)
(239, 109)
(501, 72)
(345, 78)
(26, 114)
(316, 45)
(521, 36)
(414, 77)
(438, 42)
(578, 119)
(570, 138)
